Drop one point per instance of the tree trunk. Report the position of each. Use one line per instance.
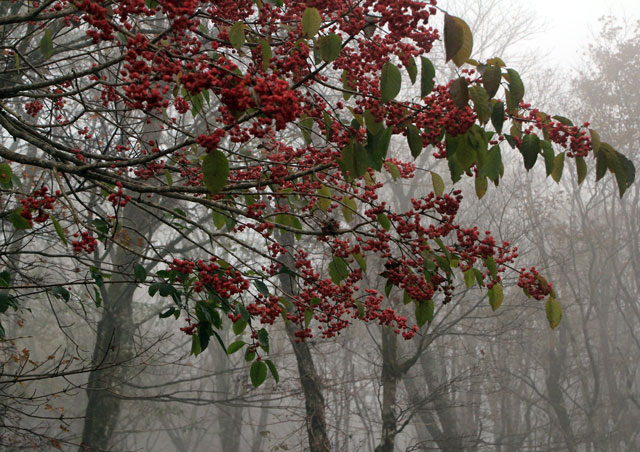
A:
(309, 379)
(112, 350)
(114, 338)
(390, 376)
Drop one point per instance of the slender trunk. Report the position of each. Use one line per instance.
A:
(554, 391)
(111, 351)
(114, 339)
(390, 376)
(229, 416)
(313, 397)
(309, 378)
(448, 438)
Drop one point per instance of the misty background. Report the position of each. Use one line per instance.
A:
(472, 380)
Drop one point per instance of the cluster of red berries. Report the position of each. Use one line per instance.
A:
(87, 242)
(39, 201)
(119, 198)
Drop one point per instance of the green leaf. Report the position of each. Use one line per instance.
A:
(5, 279)
(347, 85)
(623, 169)
(59, 230)
(412, 69)
(168, 313)
(479, 276)
(465, 155)
(480, 102)
(235, 346)
(459, 92)
(98, 298)
(362, 263)
(262, 287)
(388, 287)
(8, 301)
(215, 171)
(196, 104)
(377, 147)
(102, 227)
(373, 126)
(330, 47)
(496, 296)
(492, 164)
(530, 149)
(324, 198)
(516, 87)
(427, 74)
(491, 78)
(306, 126)
(338, 270)
(469, 277)
(61, 293)
(481, 185)
(5, 175)
(415, 140)
(554, 312)
(258, 372)
(438, 183)
(424, 312)
(18, 221)
(311, 22)
(236, 35)
(563, 120)
(164, 289)
(239, 327)
(355, 159)
(46, 44)
(140, 273)
(595, 141)
(548, 154)
(558, 166)
(308, 317)
(492, 267)
(601, 165)
(265, 51)
(497, 116)
(196, 349)
(169, 177)
(273, 370)
(581, 169)
(384, 221)
(458, 40)
(393, 169)
(98, 277)
(263, 339)
(349, 208)
(390, 82)
(219, 219)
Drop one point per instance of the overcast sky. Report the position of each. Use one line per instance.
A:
(567, 24)
(570, 23)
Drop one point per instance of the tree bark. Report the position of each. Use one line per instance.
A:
(114, 339)
(390, 376)
(309, 378)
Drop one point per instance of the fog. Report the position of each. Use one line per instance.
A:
(473, 379)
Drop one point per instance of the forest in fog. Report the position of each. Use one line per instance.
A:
(103, 345)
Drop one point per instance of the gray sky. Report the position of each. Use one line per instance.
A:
(571, 23)
(565, 26)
